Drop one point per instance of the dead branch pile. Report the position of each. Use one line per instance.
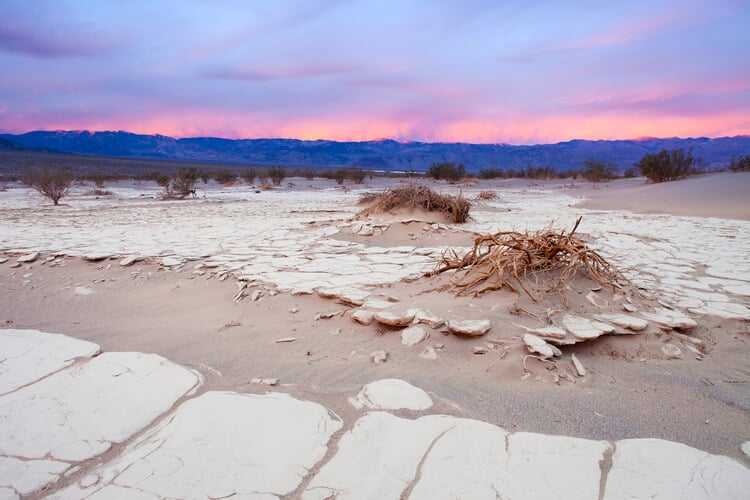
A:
(413, 196)
(507, 259)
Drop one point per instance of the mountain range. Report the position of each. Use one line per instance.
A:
(385, 154)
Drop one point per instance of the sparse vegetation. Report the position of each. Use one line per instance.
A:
(340, 176)
(413, 196)
(51, 182)
(162, 179)
(224, 176)
(528, 172)
(447, 171)
(597, 170)
(357, 175)
(276, 174)
(248, 175)
(98, 178)
(668, 165)
(741, 164)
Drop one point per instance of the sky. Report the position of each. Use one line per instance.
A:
(482, 71)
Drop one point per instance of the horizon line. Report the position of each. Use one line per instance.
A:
(378, 139)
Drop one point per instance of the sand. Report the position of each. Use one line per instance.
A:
(721, 195)
(186, 313)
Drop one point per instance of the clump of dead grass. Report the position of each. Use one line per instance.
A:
(486, 196)
(507, 259)
(368, 197)
(414, 196)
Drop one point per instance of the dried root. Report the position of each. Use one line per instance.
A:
(414, 196)
(506, 259)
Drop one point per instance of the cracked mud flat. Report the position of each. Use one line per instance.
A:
(282, 245)
(226, 444)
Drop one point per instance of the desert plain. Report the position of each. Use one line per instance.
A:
(236, 345)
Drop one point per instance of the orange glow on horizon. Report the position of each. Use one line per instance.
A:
(517, 130)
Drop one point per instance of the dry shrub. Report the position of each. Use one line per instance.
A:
(486, 196)
(367, 198)
(413, 196)
(53, 183)
(507, 258)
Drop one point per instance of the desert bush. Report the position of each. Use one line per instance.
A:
(528, 172)
(248, 175)
(446, 171)
(491, 173)
(357, 175)
(205, 176)
(340, 175)
(277, 174)
(413, 196)
(741, 164)
(224, 176)
(539, 173)
(598, 170)
(667, 165)
(630, 172)
(162, 179)
(52, 183)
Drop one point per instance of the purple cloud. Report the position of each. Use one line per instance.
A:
(31, 44)
(280, 72)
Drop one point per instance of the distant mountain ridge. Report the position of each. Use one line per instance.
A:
(383, 154)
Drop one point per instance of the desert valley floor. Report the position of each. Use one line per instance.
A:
(238, 345)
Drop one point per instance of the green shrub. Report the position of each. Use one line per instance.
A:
(667, 165)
